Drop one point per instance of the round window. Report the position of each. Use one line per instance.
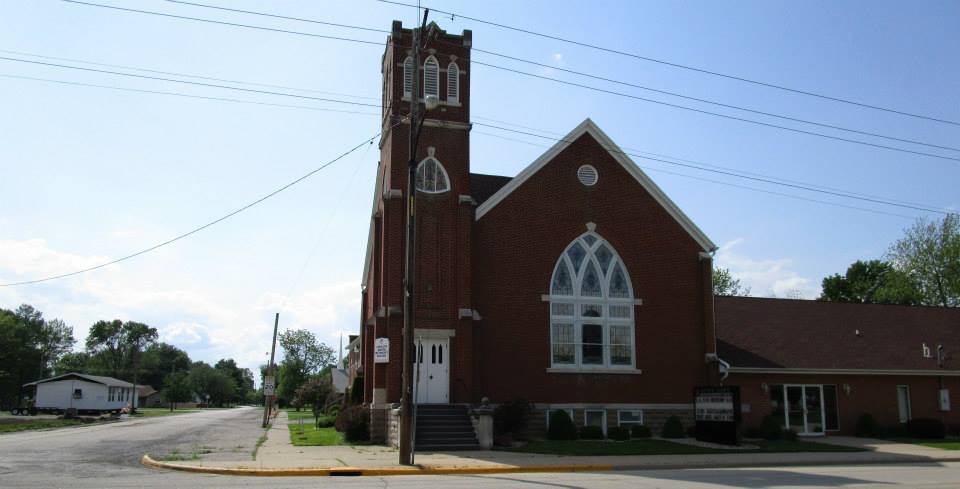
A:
(587, 175)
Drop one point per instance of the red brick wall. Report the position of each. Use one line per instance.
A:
(517, 244)
(873, 394)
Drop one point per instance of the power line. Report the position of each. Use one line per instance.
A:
(219, 22)
(718, 182)
(186, 95)
(686, 67)
(737, 175)
(200, 228)
(250, 90)
(264, 14)
(720, 104)
(300, 19)
(712, 165)
(185, 75)
(715, 114)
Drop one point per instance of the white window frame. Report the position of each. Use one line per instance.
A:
(578, 301)
(453, 80)
(620, 421)
(440, 168)
(603, 412)
(436, 81)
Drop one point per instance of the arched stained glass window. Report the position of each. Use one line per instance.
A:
(432, 177)
(591, 307)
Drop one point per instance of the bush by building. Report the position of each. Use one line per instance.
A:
(640, 431)
(354, 423)
(356, 390)
(619, 433)
(591, 433)
(926, 428)
(512, 418)
(673, 428)
(867, 427)
(561, 426)
(770, 428)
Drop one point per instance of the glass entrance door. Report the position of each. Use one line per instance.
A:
(803, 409)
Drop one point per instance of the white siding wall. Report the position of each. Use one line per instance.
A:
(58, 395)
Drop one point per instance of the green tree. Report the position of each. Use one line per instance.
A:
(176, 388)
(160, 360)
(29, 346)
(118, 345)
(724, 283)
(73, 362)
(929, 253)
(870, 282)
(213, 386)
(242, 378)
(303, 355)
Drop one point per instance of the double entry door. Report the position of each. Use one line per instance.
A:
(803, 409)
(431, 369)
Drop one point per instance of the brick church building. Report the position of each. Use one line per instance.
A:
(579, 285)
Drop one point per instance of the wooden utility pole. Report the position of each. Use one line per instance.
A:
(406, 400)
(268, 399)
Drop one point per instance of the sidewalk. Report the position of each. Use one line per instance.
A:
(277, 456)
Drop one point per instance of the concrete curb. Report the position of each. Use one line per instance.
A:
(375, 471)
(512, 469)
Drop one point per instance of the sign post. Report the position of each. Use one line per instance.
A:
(717, 414)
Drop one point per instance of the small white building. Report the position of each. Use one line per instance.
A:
(85, 393)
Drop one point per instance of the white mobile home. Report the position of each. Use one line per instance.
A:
(85, 393)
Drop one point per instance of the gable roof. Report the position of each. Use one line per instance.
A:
(97, 379)
(482, 187)
(759, 333)
(589, 127)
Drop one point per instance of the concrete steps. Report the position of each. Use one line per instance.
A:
(444, 427)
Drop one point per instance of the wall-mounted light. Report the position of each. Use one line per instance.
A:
(765, 388)
(846, 389)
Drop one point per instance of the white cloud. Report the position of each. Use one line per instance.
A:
(558, 59)
(765, 277)
(208, 324)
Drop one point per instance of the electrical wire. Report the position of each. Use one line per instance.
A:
(212, 85)
(186, 95)
(685, 67)
(200, 228)
(232, 24)
(264, 14)
(715, 114)
(185, 75)
(735, 174)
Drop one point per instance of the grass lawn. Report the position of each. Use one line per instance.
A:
(294, 415)
(313, 436)
(38, 425)
(932, 443)
(664, 447)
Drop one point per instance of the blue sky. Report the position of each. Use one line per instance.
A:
(91, 174)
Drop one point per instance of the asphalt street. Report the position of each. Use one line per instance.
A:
(107, 456)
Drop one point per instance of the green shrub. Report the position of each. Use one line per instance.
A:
(326, 421)
(753, 432)
(356, 390)
(619, 433)
(354, 422)
(895, 431)
(926, 428)
(788, 435)
(640, 431)
(673, 428)
(591, 433)
(770, 428)
(512, 417)
(561, 426)
(867, 426)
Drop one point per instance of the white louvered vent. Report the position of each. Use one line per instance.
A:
(431, 77)
(587, 175)
(453, 83)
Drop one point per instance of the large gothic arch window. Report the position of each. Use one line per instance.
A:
(591, 307)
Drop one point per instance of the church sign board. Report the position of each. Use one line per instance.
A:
(717, 414)
(381, 350)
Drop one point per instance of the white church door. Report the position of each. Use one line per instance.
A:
(432, 371)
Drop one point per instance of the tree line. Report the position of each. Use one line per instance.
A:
(922, 268)
(34, 348)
